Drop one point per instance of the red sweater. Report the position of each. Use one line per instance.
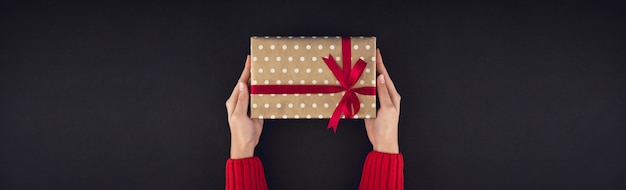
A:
(380, 171)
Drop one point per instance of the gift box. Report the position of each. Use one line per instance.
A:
(313, 78)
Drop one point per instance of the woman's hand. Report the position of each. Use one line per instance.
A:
(244, 132)
(383, 130)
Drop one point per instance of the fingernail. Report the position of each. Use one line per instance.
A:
(382, 79)
(240, 87)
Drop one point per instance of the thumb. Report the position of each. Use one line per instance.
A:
(383, 94)
(242, 101)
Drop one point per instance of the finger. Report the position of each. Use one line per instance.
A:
(393, 94)
(380, 67)
(383, 93)
(245, 74)
(242, 100)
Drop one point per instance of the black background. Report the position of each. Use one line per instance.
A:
(496, 95)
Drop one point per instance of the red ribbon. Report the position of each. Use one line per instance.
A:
(349, 104)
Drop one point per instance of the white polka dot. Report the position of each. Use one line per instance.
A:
(290, 58)
(296, 94)
(362, 105)
(367, 47)
(284, 46)
(290, 105)
(253, 81)
(332, 47)
(284, 70)
(374, 58)
(325, 105)
(320, 94)
(320, 47)
(272, 94)
(254, 58)
(289, 82)
(336, 82)
(367, 116)
(296, 70)
(260, 94)
(314, 82)
(266, 82)
(320, 70)
(355, 116)
(333, 94)
(301, 58)
(338, 58)
(362, 58)
(368, 70)
(325, 81)
(266, 59)
(314, 58)
(284, 116)
(308, 70)
(266, 105)
(284, 94)
(314, 105)
(373, 81)
(277, 58)
(273, 117)
(308, 116)
(278, 81)
(254, 105)
(260, 116)
(281, 37)
(356, 47)
(320, 116)
(308, 94)
(308, 46)
(362, 82)
(313, 37)
(296, 116)
(301, 81)
(272, 70)
(260, 70)
(325, 37)
(278, 105)
(302, 105)
(272, 46)
(260, 46)
(373, 105)
(296, 47)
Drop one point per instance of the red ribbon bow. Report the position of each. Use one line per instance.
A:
(349, 105)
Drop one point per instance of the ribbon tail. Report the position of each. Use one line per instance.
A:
(334, 120)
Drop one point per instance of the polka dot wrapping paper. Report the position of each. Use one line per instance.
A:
(303, 63)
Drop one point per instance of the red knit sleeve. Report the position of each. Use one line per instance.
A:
(245, 174)
(383, 171)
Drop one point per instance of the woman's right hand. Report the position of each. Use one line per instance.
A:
(383, 130)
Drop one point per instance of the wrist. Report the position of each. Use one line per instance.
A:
(238, 151)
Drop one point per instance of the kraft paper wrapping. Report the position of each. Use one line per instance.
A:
(298, 61)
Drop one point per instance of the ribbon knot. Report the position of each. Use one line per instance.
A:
(347, 76)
